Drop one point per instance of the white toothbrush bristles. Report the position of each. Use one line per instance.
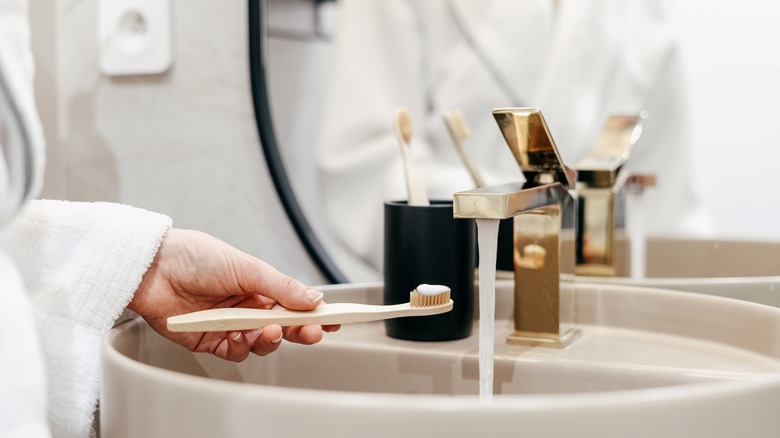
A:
(426, 295)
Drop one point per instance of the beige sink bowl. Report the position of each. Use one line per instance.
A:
(650, 363)
(746, 270)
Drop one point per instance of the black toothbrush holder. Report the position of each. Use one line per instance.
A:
(425, 244)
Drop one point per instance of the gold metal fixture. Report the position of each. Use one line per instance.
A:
(543, 209)
(529, 139)
(601, 190)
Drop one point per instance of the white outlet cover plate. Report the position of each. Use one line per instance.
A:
(134, 36)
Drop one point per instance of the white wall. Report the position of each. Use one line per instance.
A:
(183, 143)
(731, 51)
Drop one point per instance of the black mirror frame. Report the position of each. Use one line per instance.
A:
(270, 147)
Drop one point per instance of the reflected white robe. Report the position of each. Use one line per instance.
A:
(579, 61)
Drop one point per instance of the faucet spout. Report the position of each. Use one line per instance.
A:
(544, 240)
(544, 212)
(505, 201)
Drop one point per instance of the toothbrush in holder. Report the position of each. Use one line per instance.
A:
(459, 131)
(414, 186)
(424, 300)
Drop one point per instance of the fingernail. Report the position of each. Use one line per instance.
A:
(313, 295)
(236, 337)
(278, 340)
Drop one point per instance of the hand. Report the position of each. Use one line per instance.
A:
(193, 271)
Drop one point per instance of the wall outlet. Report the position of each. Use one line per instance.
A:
(134, 36)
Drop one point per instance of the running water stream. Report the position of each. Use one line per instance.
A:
(487, 235)
(636, 232)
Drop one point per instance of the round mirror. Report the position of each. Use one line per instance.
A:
(259, 43)
(329, 76)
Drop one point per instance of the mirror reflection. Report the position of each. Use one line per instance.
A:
(340, 70)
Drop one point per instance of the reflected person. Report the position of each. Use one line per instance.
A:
(580, 61)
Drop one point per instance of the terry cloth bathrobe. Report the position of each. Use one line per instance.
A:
(579, 61)
(67, 270)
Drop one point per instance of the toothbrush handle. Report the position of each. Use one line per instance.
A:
(475, 175)
(417, 195)
(238, 318)
(455, 126)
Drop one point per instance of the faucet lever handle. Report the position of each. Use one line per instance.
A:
(611, 150)
(532, 145)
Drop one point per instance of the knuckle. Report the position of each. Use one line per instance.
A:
(288, 283)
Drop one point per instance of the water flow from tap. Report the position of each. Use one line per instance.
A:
(487, 236)
(636, 233)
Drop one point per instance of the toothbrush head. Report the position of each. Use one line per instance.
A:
(403, 123)
(429, 295)
(457, 124)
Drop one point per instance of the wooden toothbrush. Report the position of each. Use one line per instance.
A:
(425, 300)
(459, 131)
(414, 186)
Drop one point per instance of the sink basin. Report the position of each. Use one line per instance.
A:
(746, 270)
(649, 363)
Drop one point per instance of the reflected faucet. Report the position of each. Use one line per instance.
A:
(601, 190)
(543, 211)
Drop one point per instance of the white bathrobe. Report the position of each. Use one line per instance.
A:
(67, 270)
(578, 60)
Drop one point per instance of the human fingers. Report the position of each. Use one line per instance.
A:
(256, 276)
(331, 327)
(199, 266)
(306, 335)
(235, 347)
(267, 341)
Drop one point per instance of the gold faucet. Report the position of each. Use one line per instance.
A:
(601, 189)
(543, 211)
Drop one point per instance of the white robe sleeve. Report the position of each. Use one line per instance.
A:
(81, 264)
(23, 394)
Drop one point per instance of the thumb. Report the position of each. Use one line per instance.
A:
(259, 277)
